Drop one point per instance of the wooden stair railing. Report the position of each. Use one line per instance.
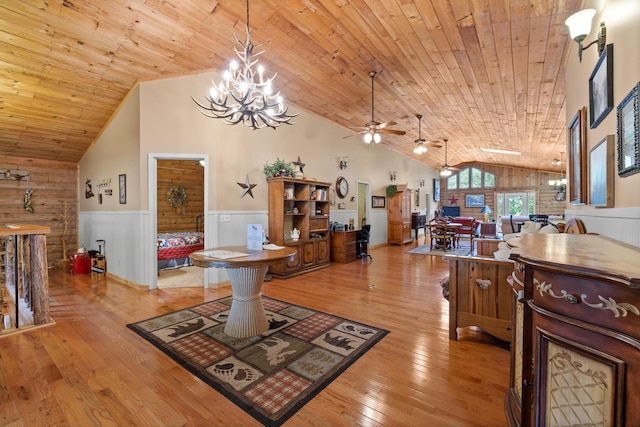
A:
(26, 276)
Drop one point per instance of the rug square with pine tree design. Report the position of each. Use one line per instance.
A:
(270, 376)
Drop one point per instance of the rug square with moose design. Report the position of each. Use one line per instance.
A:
(270, 376)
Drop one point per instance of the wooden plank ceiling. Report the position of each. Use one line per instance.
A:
(483, 73)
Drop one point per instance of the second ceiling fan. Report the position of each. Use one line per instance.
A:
(446, 170)
(373, 129)
(421, 143)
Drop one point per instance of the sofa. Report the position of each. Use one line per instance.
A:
(505, 222)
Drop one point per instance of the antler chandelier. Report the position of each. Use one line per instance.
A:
(244, 94)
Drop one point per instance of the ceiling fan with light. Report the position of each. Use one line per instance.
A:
(446, 170)
(421, 143)
(373, 129)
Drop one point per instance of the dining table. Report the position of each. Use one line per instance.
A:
(246, 270)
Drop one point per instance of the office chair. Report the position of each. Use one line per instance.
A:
(362, 241)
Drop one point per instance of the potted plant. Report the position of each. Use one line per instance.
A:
(278, 168)
(391, 190)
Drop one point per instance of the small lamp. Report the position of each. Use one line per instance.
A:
(579, 27)
(485, 211)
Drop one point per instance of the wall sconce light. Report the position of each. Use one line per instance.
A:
(343, 162)
(579, 27)
(421, 183)
(392, 176)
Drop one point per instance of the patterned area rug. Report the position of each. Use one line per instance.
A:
(270, 376)
(463, 249)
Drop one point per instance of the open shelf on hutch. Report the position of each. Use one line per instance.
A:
(300, 204)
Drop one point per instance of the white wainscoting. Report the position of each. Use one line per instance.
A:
(622, 224)
(131, 249)
(125, 234)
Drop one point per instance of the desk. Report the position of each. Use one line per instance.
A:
(343, 246)
(246, 274)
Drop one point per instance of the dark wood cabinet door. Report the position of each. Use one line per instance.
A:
(322, 250)
(308, 253)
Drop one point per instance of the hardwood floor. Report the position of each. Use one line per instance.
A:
(89, 369)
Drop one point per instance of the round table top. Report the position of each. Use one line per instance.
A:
(217, 257)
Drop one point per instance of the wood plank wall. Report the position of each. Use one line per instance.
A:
(508, 180)
(180, 173)
(55, 188)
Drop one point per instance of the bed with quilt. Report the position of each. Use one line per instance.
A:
(174, 247)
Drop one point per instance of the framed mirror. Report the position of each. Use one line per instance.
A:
(629, 134)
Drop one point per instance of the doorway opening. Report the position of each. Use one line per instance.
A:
(177, 211)
(363, 205)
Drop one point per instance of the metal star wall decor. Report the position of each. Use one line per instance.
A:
(453, 201)
(300, 164)
(247, 187)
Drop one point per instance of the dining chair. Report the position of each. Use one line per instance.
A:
(441, 238)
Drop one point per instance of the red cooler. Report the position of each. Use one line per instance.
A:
(79, 263)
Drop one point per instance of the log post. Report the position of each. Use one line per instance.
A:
(39, 279)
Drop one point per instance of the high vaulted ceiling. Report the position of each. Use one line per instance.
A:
(483, 73)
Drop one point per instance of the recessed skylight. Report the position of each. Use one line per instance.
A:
(494, 150)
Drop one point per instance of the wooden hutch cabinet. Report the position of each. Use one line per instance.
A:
(575, 356)
(399, 217)
(304, 205)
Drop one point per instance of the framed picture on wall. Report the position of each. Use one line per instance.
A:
(122, 187)
(601, 173)
(577, 142)
(474, 200)
(601, 88)
(378, 201)
(629, 133)
(436, 190)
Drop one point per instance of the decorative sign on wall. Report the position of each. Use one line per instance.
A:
(88, 192)
(104, 183)
(27, 200)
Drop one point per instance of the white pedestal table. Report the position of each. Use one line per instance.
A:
(247, 317)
